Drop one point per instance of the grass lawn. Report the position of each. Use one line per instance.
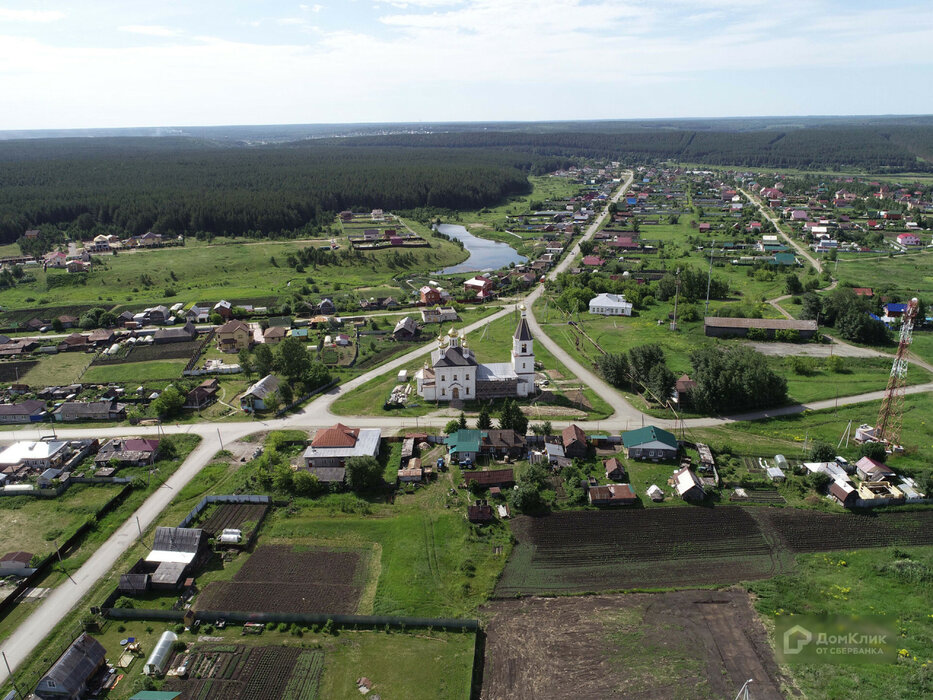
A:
(135, 371)
(57, 370)
(421, 666)
(862, 582)
(911, 273)
(31, 524)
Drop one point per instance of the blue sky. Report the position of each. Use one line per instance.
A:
(112, 63)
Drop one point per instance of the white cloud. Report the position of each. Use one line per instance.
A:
(7, 15)
(150, 30)
(470, 59)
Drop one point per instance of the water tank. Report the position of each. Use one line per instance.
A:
(155, 665)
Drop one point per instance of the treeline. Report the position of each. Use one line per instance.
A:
(292, 190)
(875, 148)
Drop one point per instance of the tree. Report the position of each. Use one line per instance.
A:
(452, 426)
(283, 478)
(291, 358)
(793, 284)
(661, 383)
(363, 473)
(856, 325)
(246, 361)
(263, 361)
(168, 449)
(304, 483)
(736, 378)
(57, 325)
(483, 421)
(873, 450)
(546, 428)
(614, 368)
(512, 418)
(461, 422)
(642, 358)
(822, 452)
(811, 307)
(316, 376)
(169, 403)
(819, 481)
(286, 393)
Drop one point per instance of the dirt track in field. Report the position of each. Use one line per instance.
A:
(685, 644)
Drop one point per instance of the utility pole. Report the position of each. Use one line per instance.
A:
(10, 673)
(709, 277)
(139, 527)
(220, 438)
(676, 295)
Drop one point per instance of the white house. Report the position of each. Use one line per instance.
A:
(35, 455)
(455, 375)
(607, 304)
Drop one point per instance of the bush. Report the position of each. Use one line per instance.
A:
(873, 450)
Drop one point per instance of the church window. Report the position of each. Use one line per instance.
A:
(468, 377)
(455, 377)
(524, 347)
(468, 391)
(443, 391)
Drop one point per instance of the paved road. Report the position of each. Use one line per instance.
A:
(317, 414)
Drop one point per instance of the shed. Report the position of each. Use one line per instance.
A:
(155, 664)
(655, 493)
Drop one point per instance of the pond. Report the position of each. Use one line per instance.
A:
(484, 254)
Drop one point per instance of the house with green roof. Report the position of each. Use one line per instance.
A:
(464, 444)
(650, 443)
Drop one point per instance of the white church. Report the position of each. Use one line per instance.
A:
(455, 375)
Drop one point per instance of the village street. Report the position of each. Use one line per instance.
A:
(317, 414)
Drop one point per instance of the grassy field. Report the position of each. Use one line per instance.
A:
(868, 581)
(57, 370)
(32, 524)
(221, 270)
(135, 371)
(417, 666)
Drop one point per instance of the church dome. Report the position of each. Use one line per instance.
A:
(452, 333)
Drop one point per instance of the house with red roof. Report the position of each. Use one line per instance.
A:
(908, 239)
(593, 261)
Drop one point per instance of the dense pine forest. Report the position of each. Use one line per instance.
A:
(175, 186)
(892, 148)
(227, 184)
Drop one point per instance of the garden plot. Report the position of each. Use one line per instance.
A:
(285, 579)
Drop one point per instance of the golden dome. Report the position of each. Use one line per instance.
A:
(452, 333)
(521, 307)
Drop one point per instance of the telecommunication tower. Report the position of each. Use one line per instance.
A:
(890, 417)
